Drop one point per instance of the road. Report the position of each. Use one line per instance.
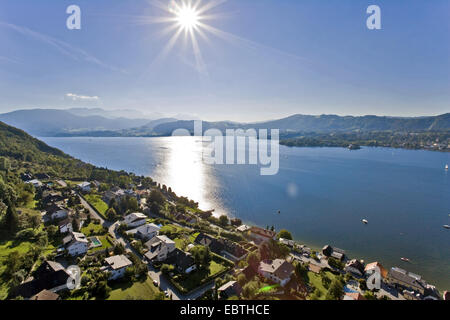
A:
(156, 275)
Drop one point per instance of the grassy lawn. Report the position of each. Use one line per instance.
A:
(6, 247)
(141, 290)
(200, 277)
(105, 244)
(315, 280)
(96, 201)
(92, 229)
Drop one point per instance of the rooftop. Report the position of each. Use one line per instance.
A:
(118, 262)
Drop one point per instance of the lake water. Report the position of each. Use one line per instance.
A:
(322, 193)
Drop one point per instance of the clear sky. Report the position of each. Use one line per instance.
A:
(272, 58)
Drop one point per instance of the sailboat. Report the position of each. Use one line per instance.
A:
(365, 221)
(446, 167)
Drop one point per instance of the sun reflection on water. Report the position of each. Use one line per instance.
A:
(186, 173)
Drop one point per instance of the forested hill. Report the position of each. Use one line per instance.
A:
(25, 153)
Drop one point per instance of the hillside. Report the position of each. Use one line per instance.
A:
(51, 122)
(324, 124)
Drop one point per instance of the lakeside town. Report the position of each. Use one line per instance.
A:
(138, 240)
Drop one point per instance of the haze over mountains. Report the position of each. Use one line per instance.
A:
(98, 122)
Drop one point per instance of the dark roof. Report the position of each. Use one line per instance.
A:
(233, 248)
(230, 289)
(358, 265)
(49, 275)
(406, 277)
(212, 243)
(180, 259)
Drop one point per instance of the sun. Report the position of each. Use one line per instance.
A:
(187, 17)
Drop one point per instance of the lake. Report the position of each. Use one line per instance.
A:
(322, 194)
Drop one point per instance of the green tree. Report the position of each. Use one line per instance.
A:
(11, 220)
(223, 220)
(156, 196)
(284, 234)
(202, 256)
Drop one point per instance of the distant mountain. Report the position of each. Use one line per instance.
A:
(113, 114)
(51, 122)
(323, 123)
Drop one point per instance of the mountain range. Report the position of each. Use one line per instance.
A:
(95, 122)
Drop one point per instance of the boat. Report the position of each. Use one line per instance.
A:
(365, 221)
(405, 259)
(446, 167)
(446, 226)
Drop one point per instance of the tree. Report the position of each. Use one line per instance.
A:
(111, 214)
(301, 270)
(11, 220)
(253, 260)
(336, 290)
(284, 234)
(223, 220)
(156, 196)
(202, 256)
(241, 279)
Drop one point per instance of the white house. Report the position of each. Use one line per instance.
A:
(36, 183)
(158, 248)
(117, 265)
(57, 212)
(278, 270)
(84, 186)
(76, 244)
(135, 219)
(65, 226)
(146, 231)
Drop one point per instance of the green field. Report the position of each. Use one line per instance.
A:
(96, 201)
(315, 280)
(141, 290)
(92, 229)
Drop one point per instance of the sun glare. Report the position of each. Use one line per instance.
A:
(187, 17)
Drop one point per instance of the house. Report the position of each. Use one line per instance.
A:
(117, 265)
(356, 267)
(42, 176)
(210, 242)
(243, 228)
(400, 278)
(313, 267)
(230, 289)
(446, 295)
(145, 232)
(135, 219)
(84, 186)
(50, 276)
(232, 250)
(182, 261)
(46, 295)
(76, 244)
(65, 226)
(353, 296)
(278, 270)
(49, 197)
(335, 253)
(372, 267)
(56, 211)
(36, 183)
(159, 248)
(261, 235)
(287, 242)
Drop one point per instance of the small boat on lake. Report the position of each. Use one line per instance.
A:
(446, 167)
(446, 226)
(405, 259)
(365, 221)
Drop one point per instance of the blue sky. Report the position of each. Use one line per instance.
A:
(277, 58)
